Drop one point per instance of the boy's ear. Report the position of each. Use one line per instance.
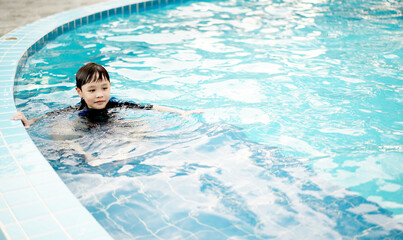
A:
(80, 93)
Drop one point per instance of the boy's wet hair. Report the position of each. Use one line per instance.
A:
(91, 72)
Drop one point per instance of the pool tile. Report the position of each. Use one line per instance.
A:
(6, 102)
(15, 232)
(7, 78)
(6, 83)
(60, 203)
(40, 226)
(21, 196)
(6, 217)
(5, 160)
(8, 73)
(17, 138)
(104, 14)
(59, 235)
(35, 166)
(13, 131)
(119, 10)
(10, 170)
(52, 190)
(2, 203)
(3, 150)
(23, 148)
(13, 183)
(30, 210)
(73, 217)
(38, 178)
(6, 116)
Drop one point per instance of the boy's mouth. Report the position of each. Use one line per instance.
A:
(100, 102)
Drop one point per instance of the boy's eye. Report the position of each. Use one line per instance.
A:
(92, 90)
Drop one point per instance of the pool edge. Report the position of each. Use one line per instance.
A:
(34, 201)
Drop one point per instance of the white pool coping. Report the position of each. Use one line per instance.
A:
(34, 201)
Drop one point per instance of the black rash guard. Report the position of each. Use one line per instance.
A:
(100, 115)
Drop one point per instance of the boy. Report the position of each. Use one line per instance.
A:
(94, 87)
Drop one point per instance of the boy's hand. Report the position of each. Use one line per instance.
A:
(24, 120)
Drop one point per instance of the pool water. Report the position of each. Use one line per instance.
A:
(301, 136)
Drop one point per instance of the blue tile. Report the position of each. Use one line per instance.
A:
(43, 177)
(8, 123)
(77, 23)
(17, 139)
(149, 5)
(43, 225)
(97, 16)
(6, 160)
(91, 18)
(104, 14)
(134, 8)
(7, 78)
(71, 25)
(22, 196)
(25, 149)
(12, 56)
(40, 165)
(5, 68)
(2, 204)
(17, 130)
(6, 91)
(8, 44)
(8, 64)
(59, 235)
(74, 217)
(63, 202)
(52, 190)
(15, 232)
(11, 170)
(119, 10)
(112, 12)
(14, 183)
(65, 28)
(84, 20)
(28, 211)
(127, 10)
(6, 83)
(3, 150)
(6, 217)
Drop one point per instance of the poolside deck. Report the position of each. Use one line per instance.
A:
(17, 13)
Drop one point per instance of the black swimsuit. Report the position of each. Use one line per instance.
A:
(100, 115)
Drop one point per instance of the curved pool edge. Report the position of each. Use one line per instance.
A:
(34, 201)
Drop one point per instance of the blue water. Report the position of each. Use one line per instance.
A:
(301, 136)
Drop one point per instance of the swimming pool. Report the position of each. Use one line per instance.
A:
(302, 114)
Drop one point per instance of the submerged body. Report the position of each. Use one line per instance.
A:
(85, 126)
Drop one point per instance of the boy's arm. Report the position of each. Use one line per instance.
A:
(27, 122)
(175, 110)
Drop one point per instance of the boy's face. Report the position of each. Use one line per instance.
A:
(96, 94)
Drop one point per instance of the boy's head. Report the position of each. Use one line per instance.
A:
(93, 85)
(91, 72)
